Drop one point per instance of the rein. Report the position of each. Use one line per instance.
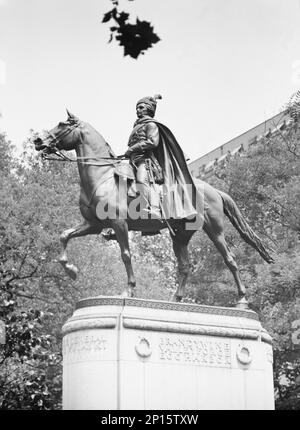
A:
(65, 158)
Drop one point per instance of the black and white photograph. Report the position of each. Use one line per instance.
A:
(150, 196)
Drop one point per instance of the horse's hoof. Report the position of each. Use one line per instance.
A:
(127, 294)
(71, 270)
(242, 303)
(63, 261)
(124, 295)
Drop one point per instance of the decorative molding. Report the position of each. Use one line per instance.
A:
(186, 307)
(76, 325)
(184, 328)
(265, 337)
(164, 305)
(99, 301)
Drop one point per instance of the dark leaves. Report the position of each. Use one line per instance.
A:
(112, 14)
(123, 17)
(135, 38)
(106, 17)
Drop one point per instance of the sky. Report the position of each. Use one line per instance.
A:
(222, 67)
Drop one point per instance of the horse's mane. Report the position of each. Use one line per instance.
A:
(110, 150)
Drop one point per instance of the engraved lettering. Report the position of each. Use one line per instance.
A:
(205, 351)
(88, 347)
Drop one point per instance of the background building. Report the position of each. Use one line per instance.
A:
(203, 167)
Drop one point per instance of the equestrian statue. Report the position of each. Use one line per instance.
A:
(153, 191)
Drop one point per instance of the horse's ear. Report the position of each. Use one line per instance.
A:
(70, 115)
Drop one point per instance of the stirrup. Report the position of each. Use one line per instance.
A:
(154, 213)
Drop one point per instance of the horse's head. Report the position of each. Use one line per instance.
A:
(60, 137)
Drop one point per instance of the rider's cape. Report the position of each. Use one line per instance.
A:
(181, 197)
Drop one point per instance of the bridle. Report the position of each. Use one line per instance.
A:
(56, 138)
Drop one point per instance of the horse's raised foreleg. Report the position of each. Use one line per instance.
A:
(180, 247)
(218, 239)
(81, 230)
(121, 229)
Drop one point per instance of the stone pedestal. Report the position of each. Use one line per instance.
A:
(143, 354)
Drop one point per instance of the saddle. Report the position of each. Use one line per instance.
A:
(124, 172)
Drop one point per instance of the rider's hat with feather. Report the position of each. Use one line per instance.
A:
(151, 102)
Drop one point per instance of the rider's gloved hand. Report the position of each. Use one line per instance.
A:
(128, 153)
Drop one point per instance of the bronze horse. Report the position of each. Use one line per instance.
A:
(96, 164)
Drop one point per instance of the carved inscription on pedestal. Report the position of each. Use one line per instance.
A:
(83, 347)
(204, 351)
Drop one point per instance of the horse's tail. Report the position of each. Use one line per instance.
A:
(238, 221)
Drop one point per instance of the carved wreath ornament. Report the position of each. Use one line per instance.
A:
(243, 355)
(143, 347)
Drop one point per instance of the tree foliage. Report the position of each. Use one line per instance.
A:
(30, 359)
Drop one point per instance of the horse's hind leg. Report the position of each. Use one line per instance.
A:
(81, 230)
(217, 237)
(180, 247)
